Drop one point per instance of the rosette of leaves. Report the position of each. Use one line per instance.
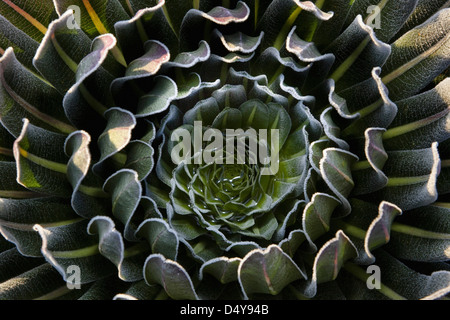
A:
(91, 93)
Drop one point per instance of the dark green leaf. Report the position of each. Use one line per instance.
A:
(24, 95)
(222, 268)
(357, 51)
(42, 282)
(171, 276)
(267, 271)
(88, 195)
(41, 162)
(388, 20)
(128, 260)
(115, 137)
(126, 192)
(55, 58)
(418, 57)
(412, 176)
(422, 234)
(18, 217)
(328, 262)
(161, 238)
(23, 25)
(70, 245)
(416, 127)
(335, 167)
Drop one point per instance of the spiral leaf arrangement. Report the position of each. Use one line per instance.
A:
(93, 92)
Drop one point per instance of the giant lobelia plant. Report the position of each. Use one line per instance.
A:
(98, 97)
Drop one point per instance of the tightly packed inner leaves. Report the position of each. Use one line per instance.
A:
(95, 95)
